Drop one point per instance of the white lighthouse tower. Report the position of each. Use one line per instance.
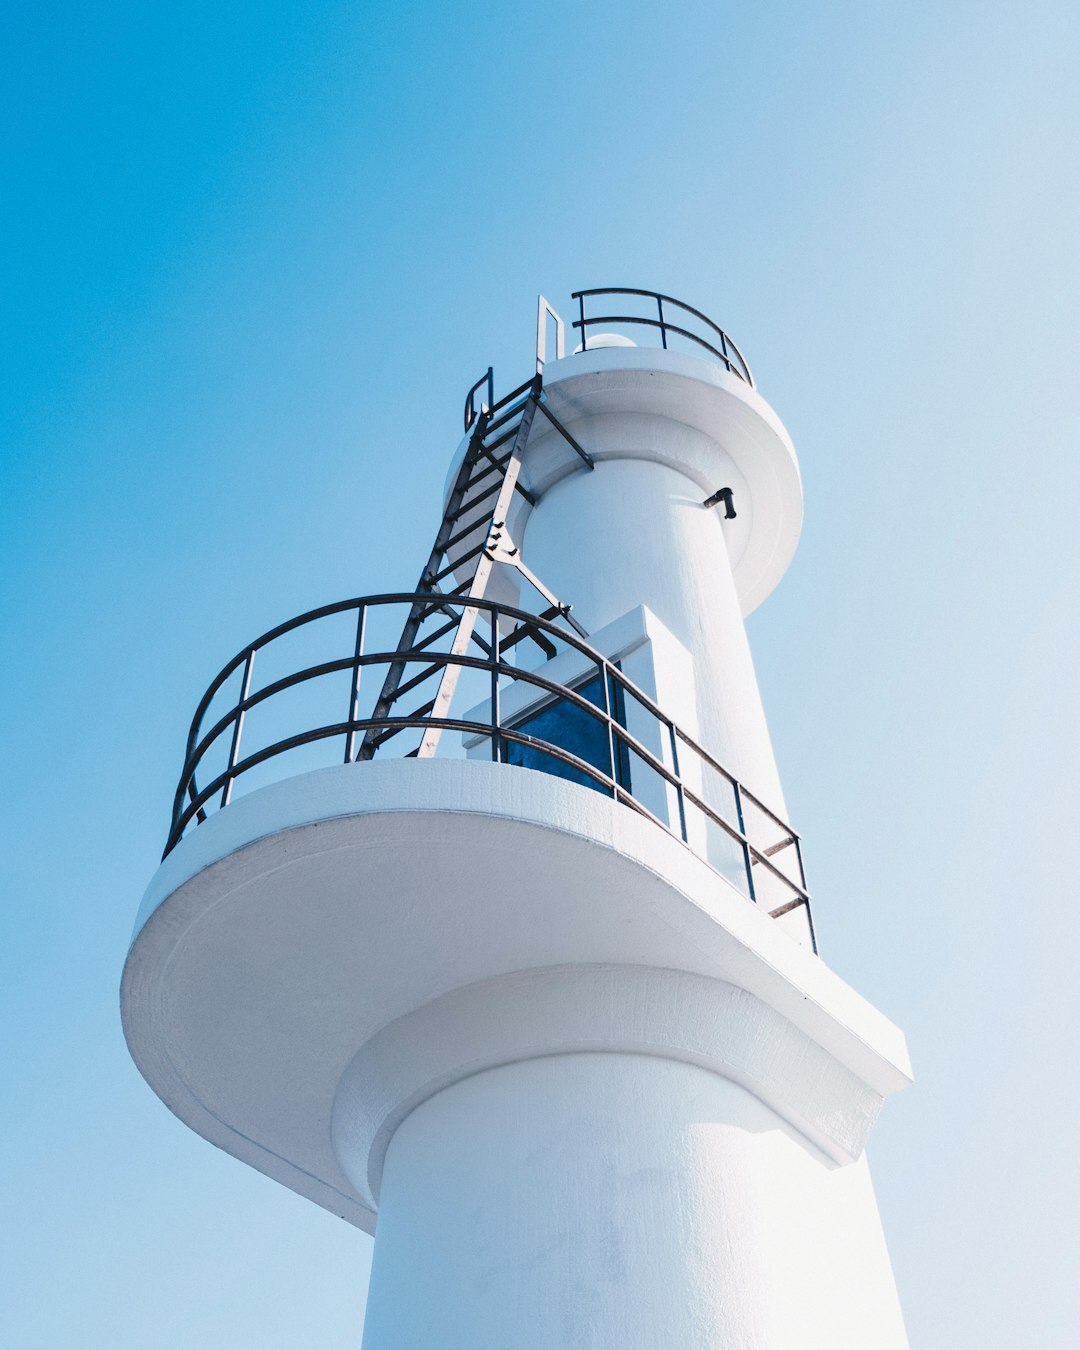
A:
(481, 923)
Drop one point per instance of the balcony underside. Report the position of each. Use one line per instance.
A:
(279, 937)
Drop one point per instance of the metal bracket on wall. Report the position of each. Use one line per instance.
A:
(724, 495)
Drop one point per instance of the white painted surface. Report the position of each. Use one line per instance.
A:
(639, 537)
(595, 1096)
(636, 1009)
(288, 930)
(729, 436)
(621, 1202)
(657, 663)
(598, 340)
(666, 431)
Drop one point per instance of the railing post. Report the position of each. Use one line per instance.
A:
(354, 696)
(746, 847)
(663, 326)
(678, 781)
(810, 925)
(798, 859)
(496, 711)
(584, 330)
(238, 726)
(601, 666)
(806, 895)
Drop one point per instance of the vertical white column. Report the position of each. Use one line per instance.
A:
(634, 532)
(620, 1202)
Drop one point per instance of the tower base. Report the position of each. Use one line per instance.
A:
(621, 1202)
(591, 1094)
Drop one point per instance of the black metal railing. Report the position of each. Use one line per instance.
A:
(486, 382)
(647, 762)
(702, 331)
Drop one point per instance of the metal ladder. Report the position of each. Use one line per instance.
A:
(471, 539)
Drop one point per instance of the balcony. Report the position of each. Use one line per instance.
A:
(530, 694)
(653, 319)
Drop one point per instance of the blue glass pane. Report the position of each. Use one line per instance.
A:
(565, 725)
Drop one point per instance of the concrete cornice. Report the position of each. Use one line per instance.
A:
(664, 1014)
(288, 930)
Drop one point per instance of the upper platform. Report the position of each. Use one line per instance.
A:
(739, 443)
(677, 391)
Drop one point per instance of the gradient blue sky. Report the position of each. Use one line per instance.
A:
(253, 256)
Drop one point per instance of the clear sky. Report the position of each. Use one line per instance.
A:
(253, 257)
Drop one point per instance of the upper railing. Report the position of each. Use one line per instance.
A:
(302, 704)
(672, 320)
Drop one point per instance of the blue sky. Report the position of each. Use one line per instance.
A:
(254, 255)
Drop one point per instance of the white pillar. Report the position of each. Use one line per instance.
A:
(621, 1202)
(665, 432)
(591, 1096)
(634, 532)
(616, 1157)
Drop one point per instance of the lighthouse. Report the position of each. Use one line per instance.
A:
(481, 922)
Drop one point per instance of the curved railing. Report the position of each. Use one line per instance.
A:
(672, 320)
(595, 726)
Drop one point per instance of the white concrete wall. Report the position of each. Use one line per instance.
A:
(654, 661)
(620, 1202)
(634, 532)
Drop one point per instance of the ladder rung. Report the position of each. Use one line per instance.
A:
(466, 530)
(501, 440)
(379, 737)
(515, 411)
(458, 562)
(496, 461)
(416, 679)
(484, 646)
(528, 387)
(468, 506)
(435, 608)
(496, 466)
(439, 632)
(422, 711)
(773, 849)
(786, 909)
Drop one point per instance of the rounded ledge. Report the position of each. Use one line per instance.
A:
(658, 1014)
(701, 395)
(287, 930)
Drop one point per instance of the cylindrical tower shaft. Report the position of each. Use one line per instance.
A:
(635, 532)
(621, 1202)
(665, 433)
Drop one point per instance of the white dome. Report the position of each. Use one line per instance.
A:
(605, 340)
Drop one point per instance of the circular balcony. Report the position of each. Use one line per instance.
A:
(340, 684)
(654, 319)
